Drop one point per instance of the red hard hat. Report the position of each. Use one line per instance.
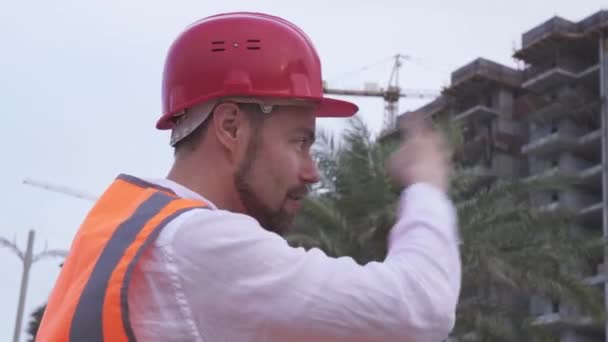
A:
(244, 55)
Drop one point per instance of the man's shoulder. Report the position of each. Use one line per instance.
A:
(210, 216)
(208, 224)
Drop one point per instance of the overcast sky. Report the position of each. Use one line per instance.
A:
(80, 89)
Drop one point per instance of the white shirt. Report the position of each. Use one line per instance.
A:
(213, 275)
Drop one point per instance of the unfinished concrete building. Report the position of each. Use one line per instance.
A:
(563, 106)
(481, 99)
(542, 120)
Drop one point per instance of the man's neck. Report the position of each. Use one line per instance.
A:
(216, 185)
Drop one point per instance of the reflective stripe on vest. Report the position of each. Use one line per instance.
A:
(89, 301)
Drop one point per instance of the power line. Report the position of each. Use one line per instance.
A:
(343, 75)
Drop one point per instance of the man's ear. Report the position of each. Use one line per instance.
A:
(229, 126)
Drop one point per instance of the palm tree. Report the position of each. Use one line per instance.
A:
(353, 208)
(511, 249)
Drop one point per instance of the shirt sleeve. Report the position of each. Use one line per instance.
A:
(236, 275)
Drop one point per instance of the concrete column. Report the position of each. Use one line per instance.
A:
(603, 50)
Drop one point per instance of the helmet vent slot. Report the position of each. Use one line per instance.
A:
(217, 46)
(253, 44)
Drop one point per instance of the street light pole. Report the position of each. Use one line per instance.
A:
(27, 263)
(28, 259)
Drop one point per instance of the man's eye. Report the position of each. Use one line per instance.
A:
(302, 142)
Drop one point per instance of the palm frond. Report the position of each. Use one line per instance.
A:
(512, 248)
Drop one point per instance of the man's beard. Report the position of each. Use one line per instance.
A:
(275, 220)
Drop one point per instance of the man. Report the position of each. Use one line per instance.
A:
(198, 256)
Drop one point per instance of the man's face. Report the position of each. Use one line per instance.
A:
(277, 169)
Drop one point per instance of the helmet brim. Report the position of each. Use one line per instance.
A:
(326, 108)
(334, 108)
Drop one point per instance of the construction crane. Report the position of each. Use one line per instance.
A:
(60, 189)
(391, 94)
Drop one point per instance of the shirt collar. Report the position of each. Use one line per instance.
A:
(181, 190)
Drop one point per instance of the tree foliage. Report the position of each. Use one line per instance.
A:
(34, 323)
(512, 250)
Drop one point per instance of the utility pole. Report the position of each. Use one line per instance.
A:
(28, 259)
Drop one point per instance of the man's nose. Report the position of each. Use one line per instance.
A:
(310, 173)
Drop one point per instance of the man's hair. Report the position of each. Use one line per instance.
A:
(191, 142)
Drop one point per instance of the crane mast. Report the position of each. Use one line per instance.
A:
(391, 94)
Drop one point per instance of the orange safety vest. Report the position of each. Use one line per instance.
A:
(89, 301)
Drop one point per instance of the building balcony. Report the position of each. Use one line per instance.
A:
(567, 316)
(588, 145)
(598, 279)
(563, 321)
(591, 138)
(481, 74)
(554, 110)
(548, 173)
(592, 214)
(583, 202)
(548, 318)
(432, 110)
(549, 79)
(434, 107)
(576, 327)
(540, 80)
(540, 37)
(594, 22)
(591, 176)
(550, 144)
(477, 113)
(565, 102)
(591, 75)
(560, 35)
(595, 280)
